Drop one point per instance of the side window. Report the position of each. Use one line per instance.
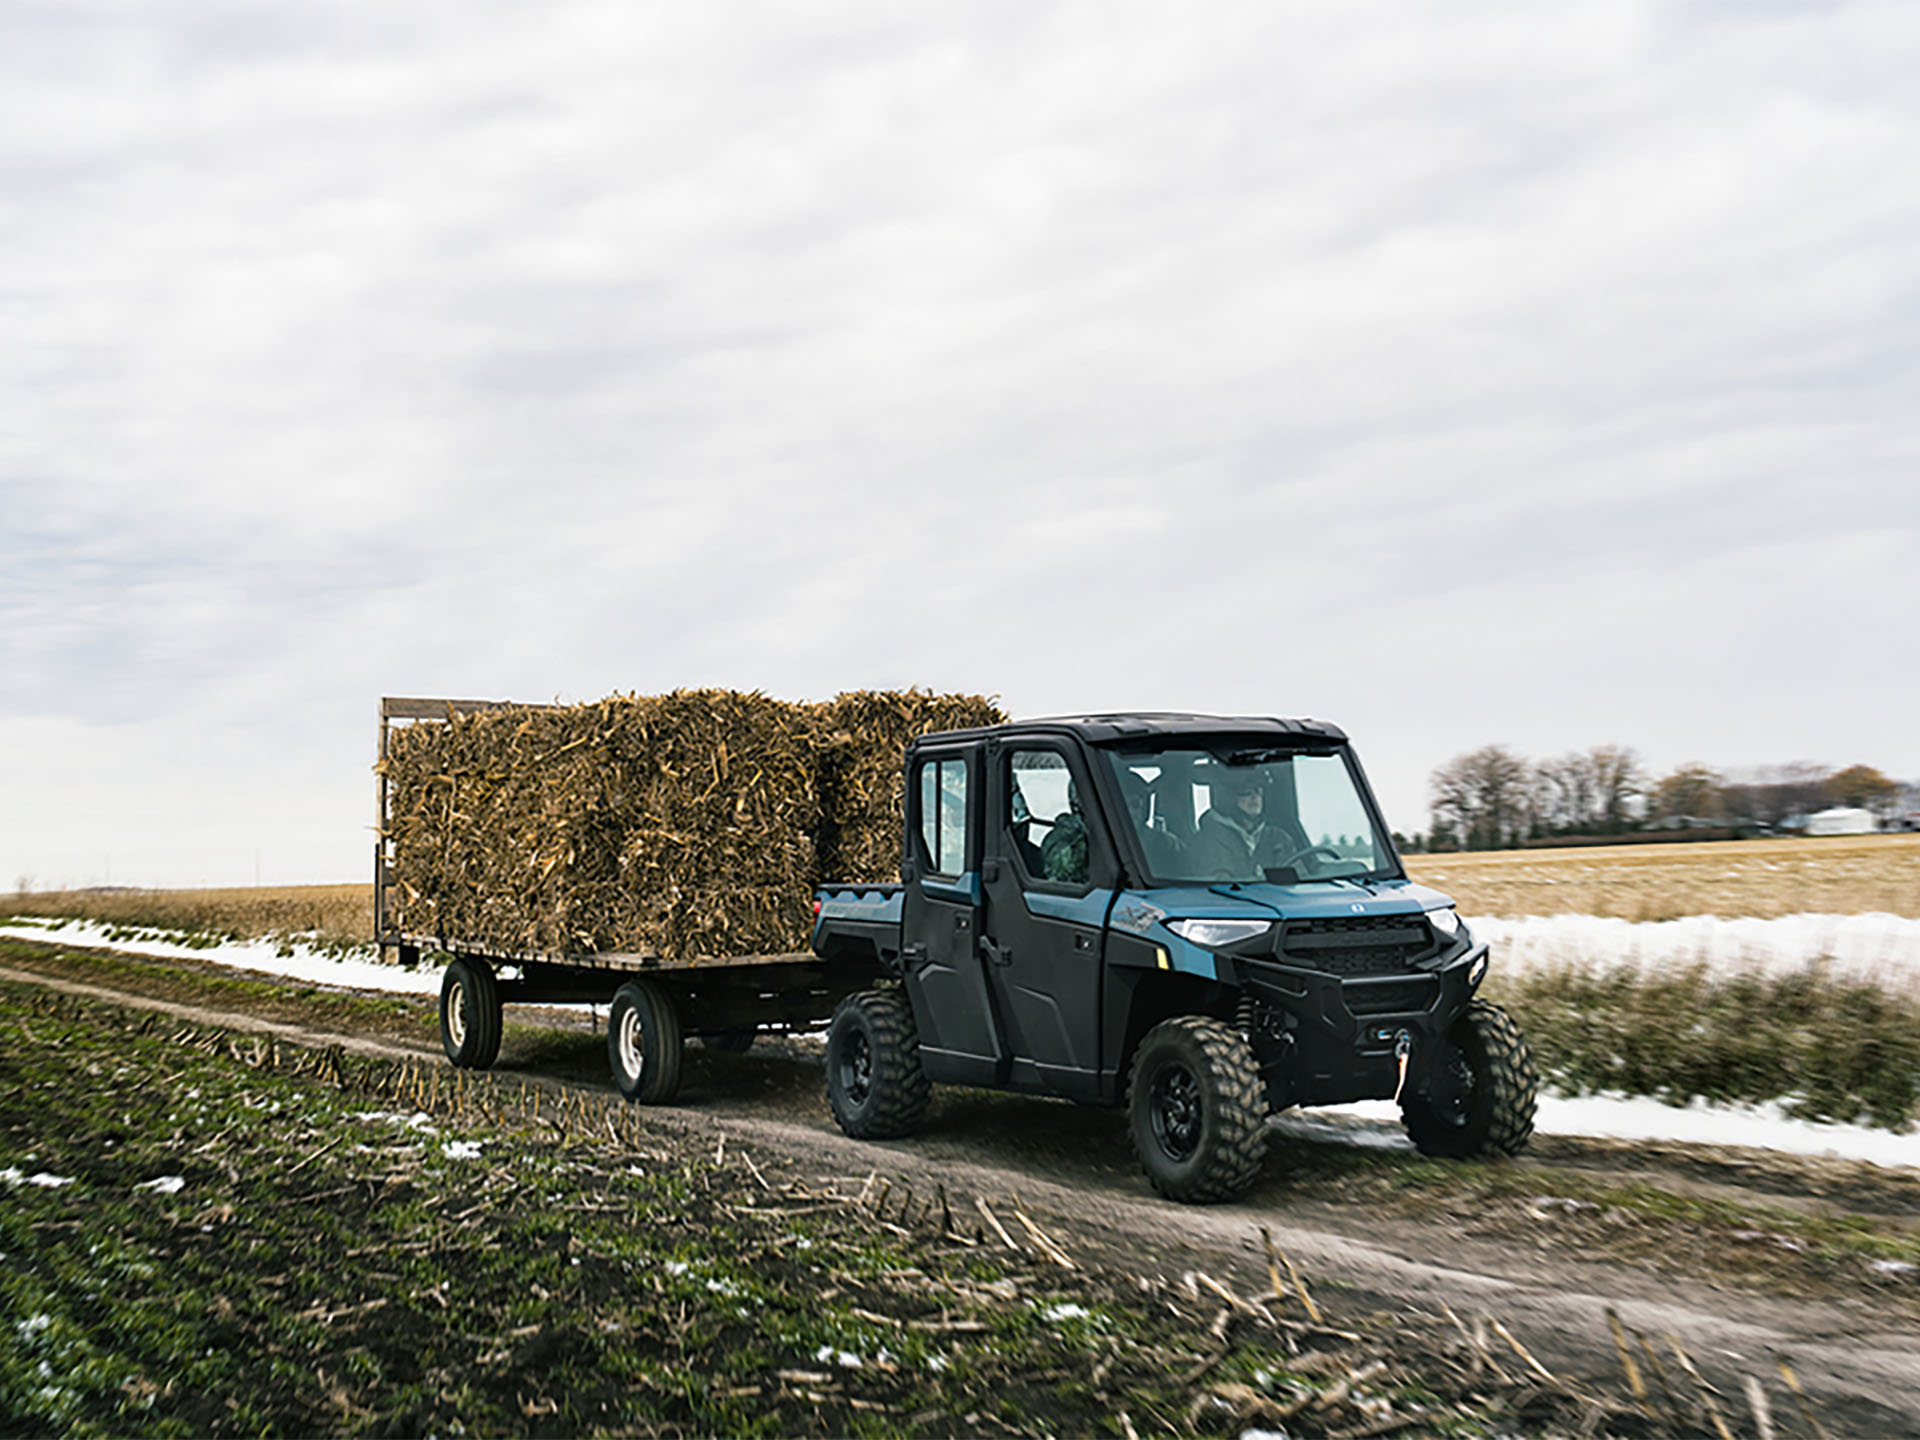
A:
(1044, 818)
(943, 815)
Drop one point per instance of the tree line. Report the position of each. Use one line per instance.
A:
(1493, 798)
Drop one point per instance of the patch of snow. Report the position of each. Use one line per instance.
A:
(1633, 1117)
(461, 1149)
(12, 1176)
(845, 1359)
(303, 962)
(1881, 949)
(1054, 1314)
(164, 1184)
(33, 1325)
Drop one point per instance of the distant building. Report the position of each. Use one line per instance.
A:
(1842, 820)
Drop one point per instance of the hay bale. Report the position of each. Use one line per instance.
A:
(682, 825)
(862, 787)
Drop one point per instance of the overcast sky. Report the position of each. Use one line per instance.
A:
(1469, 373)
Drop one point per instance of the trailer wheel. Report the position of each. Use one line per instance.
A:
(1197, 1110)
(1483, 1093)
(644, 1042)
(874, 1081)
(470, 1014)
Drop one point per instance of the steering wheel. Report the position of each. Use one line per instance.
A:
(1306, 850)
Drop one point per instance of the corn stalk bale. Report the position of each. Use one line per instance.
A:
(682, 825)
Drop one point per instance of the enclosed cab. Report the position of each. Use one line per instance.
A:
(1200, 918)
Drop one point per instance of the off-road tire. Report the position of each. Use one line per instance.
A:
(875, 1085)
(470, 1014)
(1495, 1114)
(1197, 1110)
(644, 1043)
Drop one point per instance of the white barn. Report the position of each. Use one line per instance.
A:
(1842, 820)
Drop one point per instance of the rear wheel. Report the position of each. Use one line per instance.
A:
(644, 1042)
(470, 1014)
(1197, 1110)
(1483, 1090)
(875, 1085)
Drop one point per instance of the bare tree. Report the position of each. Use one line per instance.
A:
(1619, 783)
(1484, 799)
(1566, 792)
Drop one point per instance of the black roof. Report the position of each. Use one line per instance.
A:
(1145, 724)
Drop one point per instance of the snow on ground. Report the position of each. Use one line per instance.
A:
(1636, 1117)
(1881, 947)
(290, 960)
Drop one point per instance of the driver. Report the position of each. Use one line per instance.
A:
(1233, 840)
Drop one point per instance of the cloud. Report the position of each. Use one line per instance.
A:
(1481, 374)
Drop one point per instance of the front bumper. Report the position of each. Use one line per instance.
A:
(1326, 1039)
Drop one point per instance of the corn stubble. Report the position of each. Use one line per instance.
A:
(683, 825)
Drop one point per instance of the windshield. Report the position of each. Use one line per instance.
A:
(1248, 814)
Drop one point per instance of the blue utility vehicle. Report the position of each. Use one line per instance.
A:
(1202, 919)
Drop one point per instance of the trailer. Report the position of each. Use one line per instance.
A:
(653, 1003)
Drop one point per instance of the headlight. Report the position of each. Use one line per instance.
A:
(1446, 921)
(1214, 933)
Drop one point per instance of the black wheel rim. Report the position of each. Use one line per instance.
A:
(1174, 1106)
(856, 1068)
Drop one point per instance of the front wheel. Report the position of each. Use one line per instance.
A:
(1483, 1091)
(644, 1042)
(470, 1014)
(1197, 1110)
(875, 1085)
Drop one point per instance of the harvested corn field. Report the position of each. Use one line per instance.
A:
(1829, 875)
(682, 825)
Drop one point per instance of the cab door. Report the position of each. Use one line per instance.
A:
(953, 1006)
(1048, 873)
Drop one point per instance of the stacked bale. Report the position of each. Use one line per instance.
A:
(682, 825)
(862, 784)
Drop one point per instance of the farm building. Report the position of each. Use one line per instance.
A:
(1842, 820)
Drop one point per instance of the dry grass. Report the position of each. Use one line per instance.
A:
(339, 913)
(1837, 875)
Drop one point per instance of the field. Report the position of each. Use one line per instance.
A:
(334, 914)
(257, 1239)
(1842, 875)
(1838, 875)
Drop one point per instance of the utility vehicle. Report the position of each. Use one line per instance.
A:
(1202, 919)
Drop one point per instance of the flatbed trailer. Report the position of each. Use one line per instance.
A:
(653, 1003)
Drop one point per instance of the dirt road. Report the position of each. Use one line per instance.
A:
(1705, 1252)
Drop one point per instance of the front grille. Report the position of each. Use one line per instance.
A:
(1391, 997)
(1357, 944)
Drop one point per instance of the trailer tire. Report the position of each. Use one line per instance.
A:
(470, 1014)
(1485, 1090)
(875, 1085)
(644, 1043)
(1197, 1110)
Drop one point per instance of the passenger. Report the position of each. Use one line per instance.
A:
(1064, 851)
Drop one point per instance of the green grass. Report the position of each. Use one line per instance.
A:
(258, 1241)
(1831, 1048)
